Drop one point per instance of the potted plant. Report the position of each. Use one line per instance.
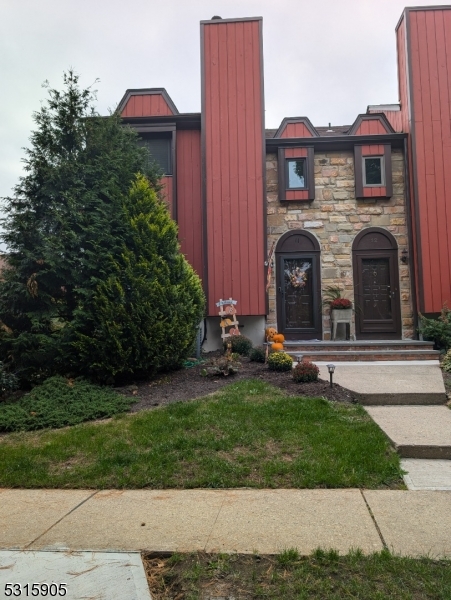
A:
(340, 306)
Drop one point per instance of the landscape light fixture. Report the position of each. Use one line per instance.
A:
(331, 369)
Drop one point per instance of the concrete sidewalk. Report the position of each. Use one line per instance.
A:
(265, 521)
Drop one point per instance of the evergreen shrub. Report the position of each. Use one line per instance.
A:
(8, 381)
(305, 371)
(240, 344)
(143, 317)
(280, 361)
(438, 330)
(258, 354)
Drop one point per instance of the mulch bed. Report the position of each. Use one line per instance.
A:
(188, 384)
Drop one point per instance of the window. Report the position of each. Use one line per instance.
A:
(373, 171)
(296, 174)
(159, 149)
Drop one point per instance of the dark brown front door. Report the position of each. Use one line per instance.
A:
(297, 298)
(298, 280)
(376, 281)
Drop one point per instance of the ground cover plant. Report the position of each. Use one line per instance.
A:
(325, 575)
(59, 402)
(248, 434)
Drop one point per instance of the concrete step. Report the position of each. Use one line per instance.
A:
(363, 355)
(403, 383)
(416, 431)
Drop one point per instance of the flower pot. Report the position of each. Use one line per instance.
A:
(341, 314)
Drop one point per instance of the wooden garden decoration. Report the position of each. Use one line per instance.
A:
(227, 312)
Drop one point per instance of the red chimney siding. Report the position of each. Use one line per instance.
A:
(424, 46)
(189, 197)
(232, 113)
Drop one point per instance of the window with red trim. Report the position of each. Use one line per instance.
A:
(373, 171)
(296, 174)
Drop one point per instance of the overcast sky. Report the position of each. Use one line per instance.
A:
(325, 59)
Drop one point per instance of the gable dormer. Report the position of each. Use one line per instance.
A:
(371, 124)
(296, 127)
(147, 102)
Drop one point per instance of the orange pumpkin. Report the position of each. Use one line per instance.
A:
(270, 333)
(276, 347)
(279, 338)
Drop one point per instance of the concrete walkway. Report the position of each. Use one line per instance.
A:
(416, 431)
(264, 521)
(400, 398)
(383, 383)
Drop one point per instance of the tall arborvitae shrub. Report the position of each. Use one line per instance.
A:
(143, 317)
(69, 232)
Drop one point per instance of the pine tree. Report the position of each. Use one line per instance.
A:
(65, 230)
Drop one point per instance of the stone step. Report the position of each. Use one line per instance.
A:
(363, 355)
(301, 346)
(416, 431)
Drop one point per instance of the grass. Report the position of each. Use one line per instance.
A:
(322, 576)
(246, 435)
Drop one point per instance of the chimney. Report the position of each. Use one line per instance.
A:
(233, 159)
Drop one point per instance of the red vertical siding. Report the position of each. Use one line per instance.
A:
(296, 152)
(146, 105)
(295, 130)
(370, 127)
(189, 197)
(167, 192)
(373, 150)
(427, 80)
(394, 117)
(232, 112)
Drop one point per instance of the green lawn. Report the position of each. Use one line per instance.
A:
(322, 576)
(247, 435)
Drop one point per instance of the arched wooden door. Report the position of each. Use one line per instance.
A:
(376, 285)
(298, 281)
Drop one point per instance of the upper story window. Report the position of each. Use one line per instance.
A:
(296, 173)
(159, 148)
(373, 171)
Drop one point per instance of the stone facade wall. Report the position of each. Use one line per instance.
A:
(335, 217)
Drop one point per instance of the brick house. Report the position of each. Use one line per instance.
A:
(364, 206)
